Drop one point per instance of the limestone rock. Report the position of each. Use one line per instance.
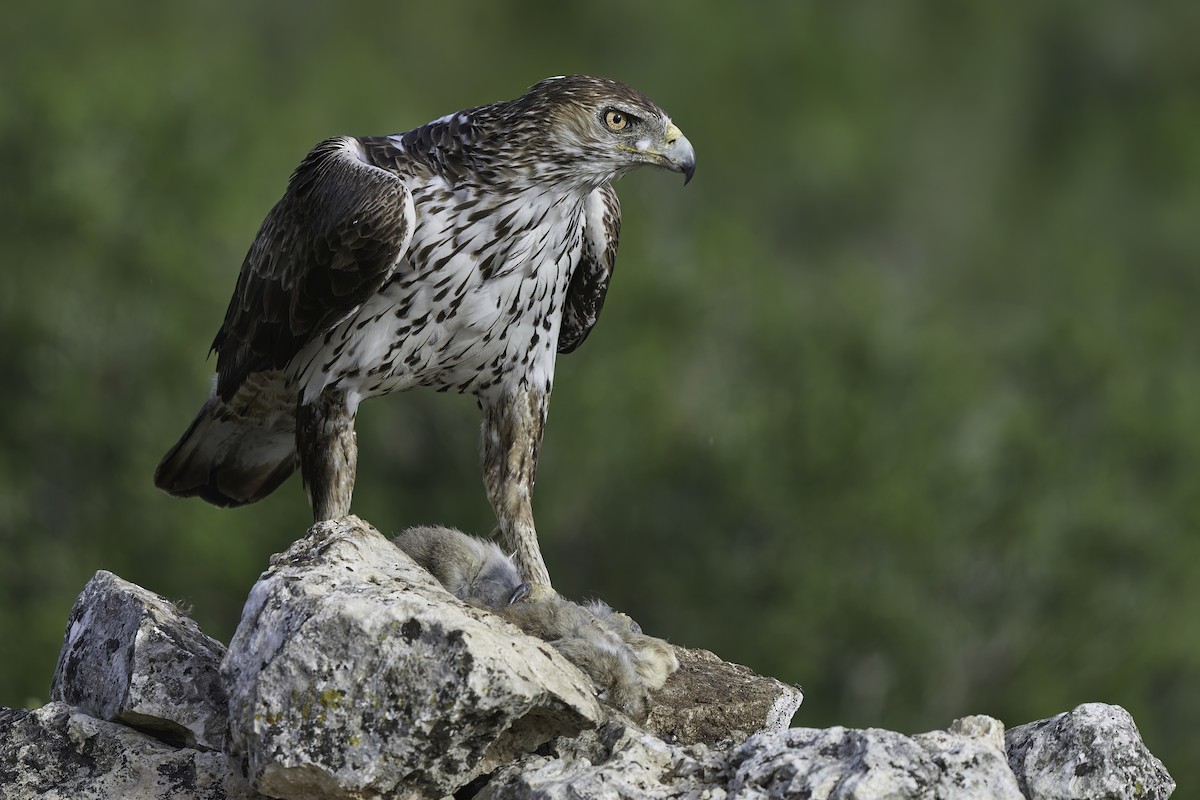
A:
(708, 701)
(59, 753)
(354, 673)
(967, 761)
(970, 757)
(620, 761)
(1094, 751)
(131, 656)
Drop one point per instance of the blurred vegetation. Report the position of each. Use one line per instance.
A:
(899, 399)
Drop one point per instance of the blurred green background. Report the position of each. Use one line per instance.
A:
(899, 399)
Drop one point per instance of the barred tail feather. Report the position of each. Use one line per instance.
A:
(229, 459)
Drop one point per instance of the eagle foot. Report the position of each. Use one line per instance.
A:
(610, 648)
(522, 591)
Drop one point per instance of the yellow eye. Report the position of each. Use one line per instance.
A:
(615, 120)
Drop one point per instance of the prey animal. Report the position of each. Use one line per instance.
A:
(463, 256)
(609, 647)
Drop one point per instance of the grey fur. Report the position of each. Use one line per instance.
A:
(473, 570)
(607, 646)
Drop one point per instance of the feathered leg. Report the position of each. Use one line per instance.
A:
(328, 450)
(512, 436)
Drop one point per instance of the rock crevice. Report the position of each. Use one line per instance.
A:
(354, 674)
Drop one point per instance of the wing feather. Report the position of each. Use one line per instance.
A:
(589, 283)
(330, 243)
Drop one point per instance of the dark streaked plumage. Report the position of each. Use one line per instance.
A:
(462, 255)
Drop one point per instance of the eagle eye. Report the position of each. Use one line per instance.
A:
(616, 120)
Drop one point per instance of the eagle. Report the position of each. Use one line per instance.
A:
(462, 256)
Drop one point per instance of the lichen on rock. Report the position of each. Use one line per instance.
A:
(355, 674)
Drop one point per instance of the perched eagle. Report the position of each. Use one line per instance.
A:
(463, 255)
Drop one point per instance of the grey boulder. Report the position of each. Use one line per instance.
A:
(1094, 751)
(710, 701)
(623, 762)
(354, 673)
(131, 656)
(619, 761)
(965, 761)
(59, 753)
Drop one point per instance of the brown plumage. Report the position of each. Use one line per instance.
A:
(462, 255)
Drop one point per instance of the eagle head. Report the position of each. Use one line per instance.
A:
(600, 129)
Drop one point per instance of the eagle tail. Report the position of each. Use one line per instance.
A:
(230, 456)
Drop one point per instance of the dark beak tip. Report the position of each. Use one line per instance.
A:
(688, 171)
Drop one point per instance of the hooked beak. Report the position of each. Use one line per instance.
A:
(679, 153)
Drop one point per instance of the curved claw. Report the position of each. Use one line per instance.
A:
(520, 593)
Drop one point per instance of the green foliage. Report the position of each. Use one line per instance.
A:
(899, 399)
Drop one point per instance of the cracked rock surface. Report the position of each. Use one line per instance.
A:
(708, 701)
(354, 674)
(1094, 751)
(131, 656)
(58, 752)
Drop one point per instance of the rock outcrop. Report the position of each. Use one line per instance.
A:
(1093, 751)
(355, 674)
(130, 656)
(59, 752)
(619, 760)
(710, 701)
